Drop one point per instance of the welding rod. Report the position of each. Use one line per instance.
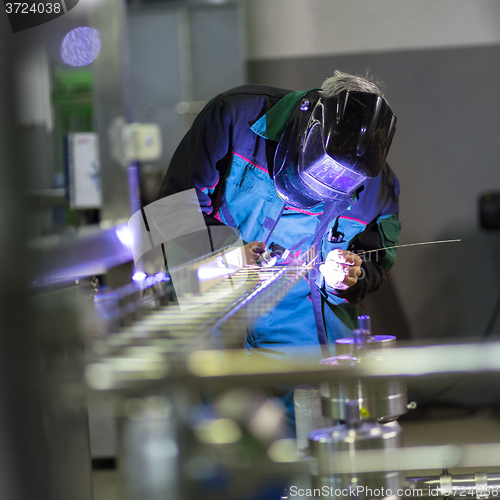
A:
(409, 245)
(401, 246)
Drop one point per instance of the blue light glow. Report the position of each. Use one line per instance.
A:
(139, 276)
(125, 235)
(209, 273)
(81, 46)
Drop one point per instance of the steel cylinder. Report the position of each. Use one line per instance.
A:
(326, 447)
(346, 346)
(379, 399)
(477, 485)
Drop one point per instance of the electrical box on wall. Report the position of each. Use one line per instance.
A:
(82, 167)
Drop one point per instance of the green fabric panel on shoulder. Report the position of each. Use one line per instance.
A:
(390, 229)
(271, 125)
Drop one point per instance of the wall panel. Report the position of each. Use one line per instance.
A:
(446, 152)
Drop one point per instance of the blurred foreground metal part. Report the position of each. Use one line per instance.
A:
(362, 404)
(22, 437)
(478, 485)
(410, 458)
(226, 368)
(215, 449)
(144, 350)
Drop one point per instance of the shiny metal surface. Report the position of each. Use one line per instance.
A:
(381, 399)
(214, 367)
(89, 251)
(417, 458)
(346, 346)
(325, 444)
(477, 485)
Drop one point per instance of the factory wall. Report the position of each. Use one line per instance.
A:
(181, 54)
(298, 28)
(440, 61)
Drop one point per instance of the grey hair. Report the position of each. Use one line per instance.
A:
(344, 81)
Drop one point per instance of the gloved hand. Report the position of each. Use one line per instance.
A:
(252, 252)
(341, 269)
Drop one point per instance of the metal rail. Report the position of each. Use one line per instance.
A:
(478, 485)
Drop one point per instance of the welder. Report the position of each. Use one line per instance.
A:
(300, 169)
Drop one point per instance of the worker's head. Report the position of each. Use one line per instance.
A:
(333, 142)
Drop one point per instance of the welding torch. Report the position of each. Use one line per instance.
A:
(271, 256)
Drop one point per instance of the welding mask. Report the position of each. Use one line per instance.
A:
(330, 146)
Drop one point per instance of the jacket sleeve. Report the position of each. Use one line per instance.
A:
(202, 156)
(381, 232)
(198, 162)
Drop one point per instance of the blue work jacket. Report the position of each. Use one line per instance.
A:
(227, 156)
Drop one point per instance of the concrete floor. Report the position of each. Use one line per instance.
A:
(441, 426)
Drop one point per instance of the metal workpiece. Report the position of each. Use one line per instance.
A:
(161, 350)
(438, 457)
(364, 323)
(177, 344)
(175, 447)
(88, 251)
(346, 346)
(135, 301)
(326, 444)
(382, 399)
(360, 337)
(477, 485)
(215, 367)
(363, 341)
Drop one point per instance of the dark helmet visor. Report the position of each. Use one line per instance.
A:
(316, 165)
(330, 147)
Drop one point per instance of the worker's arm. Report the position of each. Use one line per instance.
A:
(348, 278)
(199, 162)
(202, 156)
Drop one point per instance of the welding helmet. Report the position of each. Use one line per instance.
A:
(331, 145)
